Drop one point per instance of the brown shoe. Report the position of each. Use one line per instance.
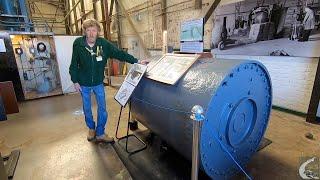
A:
(104, 138)
(91, 135)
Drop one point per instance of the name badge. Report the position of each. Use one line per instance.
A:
(99, 58)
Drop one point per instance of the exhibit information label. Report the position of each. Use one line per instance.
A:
(130, 82)
(191, 47)
(171, 67)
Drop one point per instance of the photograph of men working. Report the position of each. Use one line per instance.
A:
(308, 23)
(89, 57)
(270, 28)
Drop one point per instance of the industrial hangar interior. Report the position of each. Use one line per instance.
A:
(159, 89)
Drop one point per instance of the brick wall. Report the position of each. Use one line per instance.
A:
(292, 79)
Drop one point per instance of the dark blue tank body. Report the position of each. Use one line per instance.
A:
(237, 98)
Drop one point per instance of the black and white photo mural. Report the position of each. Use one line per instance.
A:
(267, 28)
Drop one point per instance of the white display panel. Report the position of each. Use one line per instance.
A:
(135, 74)
(192, 30)
(129, 84)
(191, 36)
(64, 53)
(124, 93)
(171, 67)
(191, 47)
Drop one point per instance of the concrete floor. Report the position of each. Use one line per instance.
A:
(264, 48)
(53, 143)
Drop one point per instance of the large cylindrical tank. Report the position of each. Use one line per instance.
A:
(237, 98)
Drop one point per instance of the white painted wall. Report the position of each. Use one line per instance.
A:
(64, 53)
(292, 79)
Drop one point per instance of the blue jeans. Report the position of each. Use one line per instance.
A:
(101, 102)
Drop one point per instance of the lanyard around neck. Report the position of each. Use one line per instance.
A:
(90, 51)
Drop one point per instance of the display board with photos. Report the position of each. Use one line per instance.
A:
(191, 36)
(131, 81)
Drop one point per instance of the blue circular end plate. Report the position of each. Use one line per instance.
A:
(236, 119)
